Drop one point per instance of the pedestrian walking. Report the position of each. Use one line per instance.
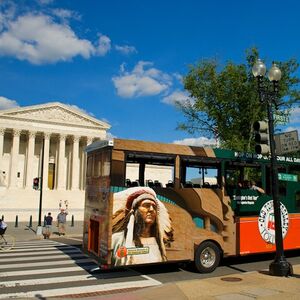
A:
(48, 226)
(61, 221)
(3, 227)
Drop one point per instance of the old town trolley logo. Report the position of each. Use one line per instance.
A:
(266, 222)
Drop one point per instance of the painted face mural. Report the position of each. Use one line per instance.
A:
(141, 227)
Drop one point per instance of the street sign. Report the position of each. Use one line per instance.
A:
(281, 119)
(287, 177)
(287, 142)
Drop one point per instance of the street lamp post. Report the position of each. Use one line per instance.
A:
(280, 266)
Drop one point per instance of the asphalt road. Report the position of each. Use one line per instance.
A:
(57, 267)
(183, 271)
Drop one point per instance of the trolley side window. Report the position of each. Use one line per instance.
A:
(146, 169)
(200, 173)
(240, 175)
(245, 183)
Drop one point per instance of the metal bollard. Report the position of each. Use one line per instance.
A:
(17, 221)
(30, 222)
(72, 221)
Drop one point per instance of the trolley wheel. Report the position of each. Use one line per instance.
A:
(7, 242)
(207, 257)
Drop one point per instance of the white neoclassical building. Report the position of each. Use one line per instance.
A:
(65, 132)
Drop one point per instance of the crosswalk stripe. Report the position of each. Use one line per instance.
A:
(39, 242)
(45, 257)
(28, 246)
(28, 282)
(44, 271)
(35, 245)
(83, 289)
(56, 251)
(49, 263)
(36, 265)
(75, 239)
(23, 249)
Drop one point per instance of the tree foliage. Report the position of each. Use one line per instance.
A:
(225, 102)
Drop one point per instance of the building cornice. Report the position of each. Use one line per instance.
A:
(80, 126)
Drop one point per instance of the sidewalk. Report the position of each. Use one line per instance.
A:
(25, 233)
(241, 286)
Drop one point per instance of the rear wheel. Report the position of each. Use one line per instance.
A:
(207, 257)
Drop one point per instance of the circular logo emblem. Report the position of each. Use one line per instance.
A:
(122, 252)
(266, 222)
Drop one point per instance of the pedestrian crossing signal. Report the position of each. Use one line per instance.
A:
(36, 182)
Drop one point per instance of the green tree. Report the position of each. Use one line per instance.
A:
(225, 102)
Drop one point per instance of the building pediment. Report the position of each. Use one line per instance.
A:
(54, 113)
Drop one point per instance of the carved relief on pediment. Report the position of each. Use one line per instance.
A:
(54, 114)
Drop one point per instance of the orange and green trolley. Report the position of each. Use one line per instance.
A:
(184, 203)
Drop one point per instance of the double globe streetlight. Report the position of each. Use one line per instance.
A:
(280, 266)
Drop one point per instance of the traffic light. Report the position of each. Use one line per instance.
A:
(36, 183)
(261, 137)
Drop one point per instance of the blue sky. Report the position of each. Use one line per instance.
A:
(122, 61)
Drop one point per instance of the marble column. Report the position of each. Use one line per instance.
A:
(29, 161)
(75, 163)
(2, 131)
(2, 175)
(47, 136)
(14, 158)
(61, 181)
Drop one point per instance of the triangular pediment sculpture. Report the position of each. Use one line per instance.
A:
(55, 113)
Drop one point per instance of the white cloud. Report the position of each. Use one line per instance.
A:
(45, 2)
(141, 81)
(177, 96)
(38, 39)
(6, 103)
(295, 115)
(46, 36)
(200, 142)
(65, 14)
(294, 122)
(110, 136)
(290, 128)
(104, 45)
(7, 12)
(80, 109)
(126, 49)
(178, 76)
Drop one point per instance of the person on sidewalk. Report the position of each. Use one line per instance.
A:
(3, 227)
(48, 226)
(61, 221)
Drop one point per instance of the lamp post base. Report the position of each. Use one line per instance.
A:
(280, 267)
(39, 230)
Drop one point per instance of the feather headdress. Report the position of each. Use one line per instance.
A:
(129, 199)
